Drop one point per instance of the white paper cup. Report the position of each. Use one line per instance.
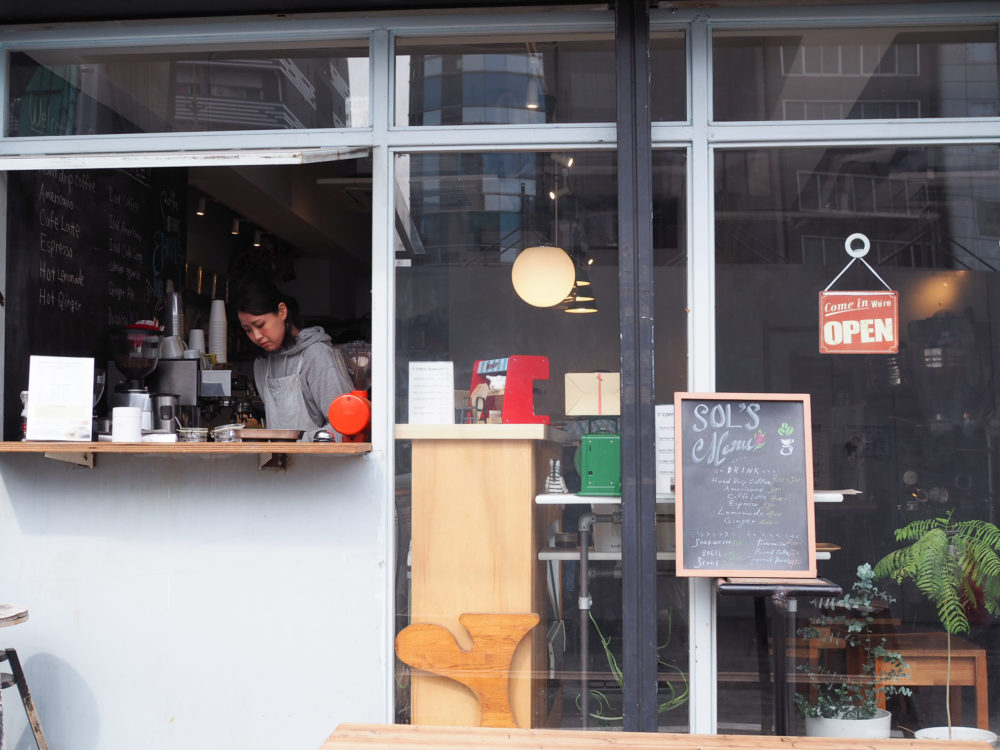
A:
(196, 339)
(217, 331)
(126, 424)
(172, 347)
(192, 354)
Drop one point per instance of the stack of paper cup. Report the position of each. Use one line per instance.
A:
(196, 339)
(126, 424)
(217, 330)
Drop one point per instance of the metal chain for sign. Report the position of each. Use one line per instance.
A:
(858, 253)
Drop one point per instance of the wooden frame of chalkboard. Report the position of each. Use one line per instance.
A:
(744, 485)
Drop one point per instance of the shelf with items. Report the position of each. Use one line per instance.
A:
(571, 498)
(271, 455)
(573, 554)
(333, 449)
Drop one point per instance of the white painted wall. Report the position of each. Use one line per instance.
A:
(195, 602)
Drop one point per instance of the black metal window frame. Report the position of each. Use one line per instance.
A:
(635, 267)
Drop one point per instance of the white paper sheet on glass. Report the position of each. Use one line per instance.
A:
(60, 398)
(664, 432)
(432, 393)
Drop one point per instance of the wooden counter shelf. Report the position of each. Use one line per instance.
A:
(272, 455)
(334, 449)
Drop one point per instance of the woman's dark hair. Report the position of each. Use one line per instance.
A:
(260, 297)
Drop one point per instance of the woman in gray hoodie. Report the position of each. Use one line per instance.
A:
(300, 373)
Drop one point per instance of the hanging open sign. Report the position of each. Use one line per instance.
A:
(858, 322)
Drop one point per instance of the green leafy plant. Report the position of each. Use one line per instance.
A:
(850, 619)
(955, 565)
(605, 711)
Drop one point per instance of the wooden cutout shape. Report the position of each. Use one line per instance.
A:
(484, 668)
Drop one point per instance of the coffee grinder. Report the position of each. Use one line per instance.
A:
(136, 352)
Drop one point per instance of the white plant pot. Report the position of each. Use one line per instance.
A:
(957, 733)
(877, 727)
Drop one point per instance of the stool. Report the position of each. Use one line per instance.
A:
(11, 614)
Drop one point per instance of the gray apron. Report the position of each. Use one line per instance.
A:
(284, 405)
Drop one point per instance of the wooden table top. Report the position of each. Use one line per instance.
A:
(409, 737)
(931, 644)
(12, 614)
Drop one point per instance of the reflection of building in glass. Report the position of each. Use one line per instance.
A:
(856, 74)
(462, 89)
(109, 95)
(920, 207)
(473, 207)
(526, 83)
(266, 94)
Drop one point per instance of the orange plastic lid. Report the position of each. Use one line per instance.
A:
(350, 414)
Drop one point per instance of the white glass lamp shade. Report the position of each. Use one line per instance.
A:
(543, 276)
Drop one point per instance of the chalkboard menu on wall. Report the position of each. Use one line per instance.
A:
(744, 485)
(87, 251)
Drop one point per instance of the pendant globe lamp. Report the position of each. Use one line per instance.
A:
(544, 275)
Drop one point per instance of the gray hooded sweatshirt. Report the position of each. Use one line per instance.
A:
(323, 374)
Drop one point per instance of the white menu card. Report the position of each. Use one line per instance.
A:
(60, 398)
(432, 393)
(664, 431)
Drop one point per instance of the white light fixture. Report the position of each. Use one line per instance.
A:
(531, 98)
(236, 226)
(201, 207)
(543, 275)
(581, 307)
(256, 238)
(566, 161)
(581, 294)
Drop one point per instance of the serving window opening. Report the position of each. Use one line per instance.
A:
(92, 252)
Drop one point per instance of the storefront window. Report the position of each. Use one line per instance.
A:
(90, 252)
(505, 508)
(855, 73)
(94, 92)
(668, 74)
(523, 81)
(915, 432)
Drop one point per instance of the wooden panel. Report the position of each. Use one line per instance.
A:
(474, 542)
(484, 669)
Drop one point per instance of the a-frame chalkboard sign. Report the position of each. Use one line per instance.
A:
(744, 485)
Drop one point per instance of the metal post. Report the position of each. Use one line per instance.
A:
(635, 270)
(585, 526)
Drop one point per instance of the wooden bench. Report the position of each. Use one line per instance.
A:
(410, 737)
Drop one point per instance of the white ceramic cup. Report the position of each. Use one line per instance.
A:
(126, 424)
(192, 354)
(196, 339)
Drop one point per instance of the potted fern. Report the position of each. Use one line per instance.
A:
(848, 706)
(956, 566)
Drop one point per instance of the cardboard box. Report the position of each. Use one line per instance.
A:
(593, 394)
